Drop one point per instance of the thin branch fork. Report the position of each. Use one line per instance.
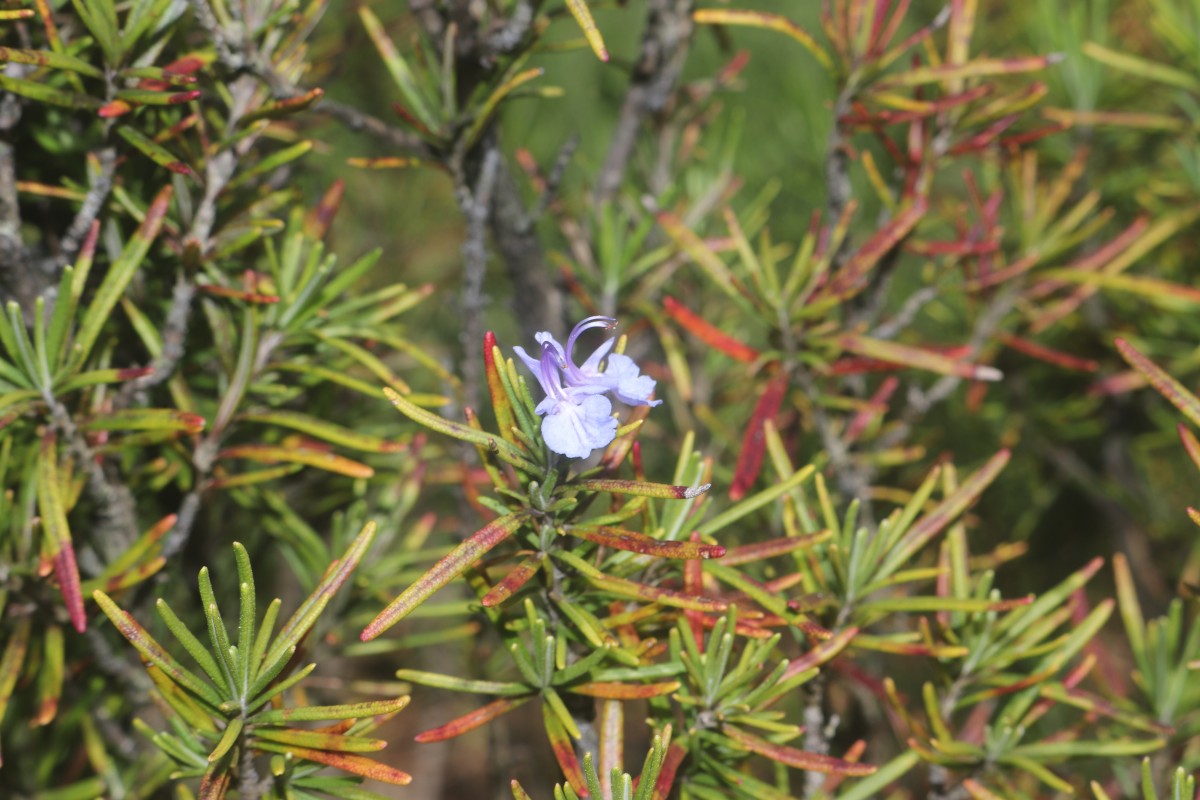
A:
(664, 50)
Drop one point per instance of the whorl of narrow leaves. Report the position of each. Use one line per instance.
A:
(241, 679)
(1182, 785)
(936, 520)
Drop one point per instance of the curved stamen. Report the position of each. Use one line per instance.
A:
(550, 364)
(591, 322)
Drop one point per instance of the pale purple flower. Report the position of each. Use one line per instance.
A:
(620, 374)
(575, 419)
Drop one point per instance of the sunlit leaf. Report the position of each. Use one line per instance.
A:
(449, 567)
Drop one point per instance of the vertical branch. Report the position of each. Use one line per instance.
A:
(204, 457)
(920, 402)
(250, 785)
(174, 332)
(429, 16)
(124, 671)
(10, 210)
(20, 279)
(853, 479)
(93, 203)
(116, 525)
(476, 203)
(838, 189)
(228, 54)
(815, 738)
(513, 32)
(219, 167)
(538, 300)
(219, 170)
(664, 50)
(14, 277)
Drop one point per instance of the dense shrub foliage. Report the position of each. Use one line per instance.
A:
(793, 399)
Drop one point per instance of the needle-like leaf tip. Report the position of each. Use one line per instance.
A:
(985, 373)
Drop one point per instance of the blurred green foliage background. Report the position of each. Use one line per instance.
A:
(1094, 475)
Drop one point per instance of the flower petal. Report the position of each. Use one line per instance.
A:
(546, 338)
(627, 383)
(592, 365)
(531, 362)
(576, 429)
